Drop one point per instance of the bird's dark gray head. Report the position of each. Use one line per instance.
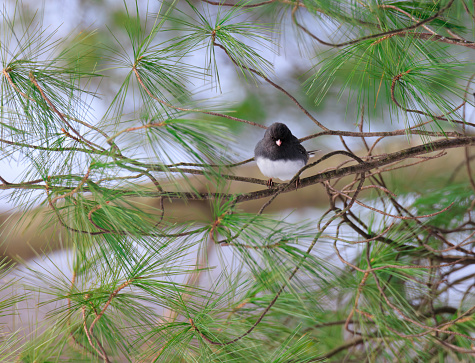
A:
(278, 131)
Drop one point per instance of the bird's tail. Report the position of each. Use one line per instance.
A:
(312, 153)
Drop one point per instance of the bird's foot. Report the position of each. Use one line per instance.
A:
(270, 183)
(297, 183)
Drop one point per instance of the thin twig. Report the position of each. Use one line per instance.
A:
(139, 79)
(100, 351)
(303, 109)
(373, 36)
(53, 107)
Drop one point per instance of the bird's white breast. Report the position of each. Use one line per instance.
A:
(282, 169)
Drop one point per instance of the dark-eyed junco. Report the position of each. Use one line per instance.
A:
(279, 154)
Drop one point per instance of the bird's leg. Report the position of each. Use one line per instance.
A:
(297, 183)
(270, 183)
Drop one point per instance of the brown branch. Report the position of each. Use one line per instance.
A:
(364, 167)
(108, 302)
(215, 225)
(453, 247)
(347, 344)
(98, 130)
(238, 5)
(373, 36)
(328, 324)
(56, 149)
(58, 214)
(455, 348)
(89, 217)
(4, 181)
(71, 335)
(105, 231)
(225, 176)
(53, 107)
(408, 15)
(355, 305)
(377, 237)
(402, 132)
(210, 165)
(10, 81)
(402, 267)
(392, 215)
(81, 183)
(308, 114)
(6, 73)
(440, 329)
(305, 182)
(139, 79)
(393, 98)
(100, 351)
(53, 201)
(440, 38)
(129, 129)
(392, 168)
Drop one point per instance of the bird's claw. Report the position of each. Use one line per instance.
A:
(297, 183)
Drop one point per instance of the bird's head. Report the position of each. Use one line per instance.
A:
(279, 133)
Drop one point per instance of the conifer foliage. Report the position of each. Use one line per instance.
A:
(117, 143)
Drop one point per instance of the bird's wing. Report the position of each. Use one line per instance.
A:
(302, 149)
(261, 149)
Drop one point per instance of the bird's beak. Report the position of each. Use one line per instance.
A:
(278, 142)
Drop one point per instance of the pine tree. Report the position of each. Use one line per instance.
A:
(124, 157)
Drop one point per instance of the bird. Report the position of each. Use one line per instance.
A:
(279, 154)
